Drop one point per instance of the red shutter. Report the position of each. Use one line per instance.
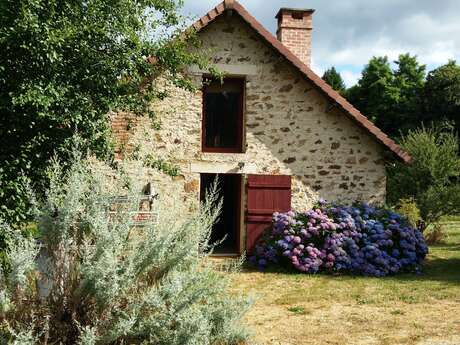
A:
(266, 195)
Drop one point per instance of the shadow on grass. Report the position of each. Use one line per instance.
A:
(275, 269)
(442, 265)
(446, 247)
(436, 269)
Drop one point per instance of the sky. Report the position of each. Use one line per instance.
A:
(347, 33)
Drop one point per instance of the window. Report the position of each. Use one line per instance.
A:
(223, 105)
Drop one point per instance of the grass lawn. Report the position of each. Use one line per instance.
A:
(293, 308)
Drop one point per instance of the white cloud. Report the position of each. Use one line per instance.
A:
(317, 68)
(350, 77)
(349, 32)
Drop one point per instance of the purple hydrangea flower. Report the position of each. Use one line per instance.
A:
(358, 239)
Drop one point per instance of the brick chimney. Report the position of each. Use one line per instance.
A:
(294, 31)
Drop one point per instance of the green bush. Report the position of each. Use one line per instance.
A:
(432, 178)
(66, 65)
(93, 277)
(409, 210)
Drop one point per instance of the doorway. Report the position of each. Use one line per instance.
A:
(227, 228)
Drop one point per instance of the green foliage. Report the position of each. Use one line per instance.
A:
(161, 165)
(96, 278)
(297, 310)
(405, 98)
(408, 208)
(432, 179)
(374, 90)
(65, 65)
(409, 80)
(390, 98)
(442, 94)
(334, 79)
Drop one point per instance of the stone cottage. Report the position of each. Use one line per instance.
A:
(274, 132)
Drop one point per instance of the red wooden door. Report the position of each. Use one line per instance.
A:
(266, 195)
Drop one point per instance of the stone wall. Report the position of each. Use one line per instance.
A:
(123, 125)
(290, 128)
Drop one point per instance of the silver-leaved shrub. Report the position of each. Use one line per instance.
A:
(92, 276)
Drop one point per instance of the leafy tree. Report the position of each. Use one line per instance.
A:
(432, 179)
(334, 79)
(375, 92)
(442, 94)
(65, 65)
(409, 80)
(391, 98)
(95, 278)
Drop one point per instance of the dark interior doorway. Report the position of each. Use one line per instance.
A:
(228, 224)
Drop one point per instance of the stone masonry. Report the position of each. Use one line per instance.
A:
(290, 128)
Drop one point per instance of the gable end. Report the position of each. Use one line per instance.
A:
(353, 113)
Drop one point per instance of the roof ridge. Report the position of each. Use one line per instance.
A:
(349, 109)
(229, 4)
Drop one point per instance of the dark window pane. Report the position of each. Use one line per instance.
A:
(223, 115)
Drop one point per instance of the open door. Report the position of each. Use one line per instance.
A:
(227, 228)
(266, 194)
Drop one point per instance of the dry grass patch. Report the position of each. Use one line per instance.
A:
(293, 308)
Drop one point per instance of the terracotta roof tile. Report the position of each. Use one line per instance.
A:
(334, 96)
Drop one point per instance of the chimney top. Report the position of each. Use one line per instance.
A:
(295, 31)
(294, 11)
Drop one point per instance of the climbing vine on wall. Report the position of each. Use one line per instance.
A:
(161, 165)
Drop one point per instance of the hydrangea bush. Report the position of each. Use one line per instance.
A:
(358, 239)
